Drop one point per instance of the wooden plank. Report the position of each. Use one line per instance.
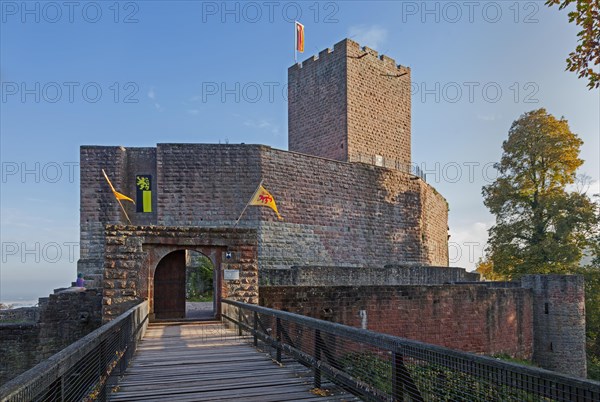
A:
(208, 363)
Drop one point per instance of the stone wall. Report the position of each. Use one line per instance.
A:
(379, 106)
(349, 214)
(97, 204)
(390, 275)
(66, 317)
(317, 105)
(20, 314)
(559, 322)
(133, 253)
(335, 213)
(18, 348)
(541, 317)
(61, 319)
(471, 318)
(350, 104)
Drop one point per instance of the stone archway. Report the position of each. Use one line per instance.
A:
(132, 254)
(168, 283)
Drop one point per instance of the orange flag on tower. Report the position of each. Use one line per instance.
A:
(264, 199)
(117, 195)
(299, 37)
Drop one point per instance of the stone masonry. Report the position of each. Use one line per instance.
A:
(344, 187)
(541, 317)
(335, 213)
(472, 318)
(390, 275)
(61, 319)
(559, 322)
(133, 253)
(350, 104)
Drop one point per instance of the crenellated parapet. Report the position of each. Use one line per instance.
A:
(350, 48)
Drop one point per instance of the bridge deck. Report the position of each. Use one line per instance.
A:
(206, 362)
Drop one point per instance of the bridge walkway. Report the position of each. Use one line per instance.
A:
(207, 362)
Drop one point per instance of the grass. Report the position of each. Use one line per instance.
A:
(206, 297)
(505, 357)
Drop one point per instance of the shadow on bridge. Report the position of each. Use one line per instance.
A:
(207, 362)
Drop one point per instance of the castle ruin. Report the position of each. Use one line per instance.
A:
(363, 242)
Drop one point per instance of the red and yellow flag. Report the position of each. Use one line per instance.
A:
(299, 37)
(264, 199)
(118, 195)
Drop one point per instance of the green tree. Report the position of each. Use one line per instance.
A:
(587, 53)
(485, 268)
(199, 278)
(541, 227)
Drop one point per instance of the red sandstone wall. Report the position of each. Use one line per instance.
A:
(464, 317)
(97, 204)
(335, 213)
(317, 105)
(379, 107)
(350, 104)
(434, 225)
(359, 214)
(202, 184)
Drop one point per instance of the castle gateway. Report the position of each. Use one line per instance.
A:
(345, 188)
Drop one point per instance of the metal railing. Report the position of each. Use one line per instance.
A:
(382, 367)
(84, 370)
(390, 163)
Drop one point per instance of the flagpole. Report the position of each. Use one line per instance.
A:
(248, 203)
(126, 216)
(295, 41)
(118, 200)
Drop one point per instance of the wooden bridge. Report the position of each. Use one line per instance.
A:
(207, 362)
(273, 355)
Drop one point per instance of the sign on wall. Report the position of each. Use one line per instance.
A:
(231, 274)
(143, 185)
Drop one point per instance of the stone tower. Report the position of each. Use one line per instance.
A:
(350, 104)
(558, 322)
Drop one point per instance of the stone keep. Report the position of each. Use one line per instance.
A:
(346, 107)
(349, 104)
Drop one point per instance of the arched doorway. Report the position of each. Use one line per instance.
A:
(187, 285)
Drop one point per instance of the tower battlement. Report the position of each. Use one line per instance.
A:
(350, 104)
(355, 47)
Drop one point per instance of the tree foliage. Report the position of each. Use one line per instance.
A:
(587, 53)
(541, 227)
(485, 268)
(199, 281)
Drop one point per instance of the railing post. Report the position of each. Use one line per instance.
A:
(318, 359)
(278, 338)
(397, 388)
(255, 327)
(62, 388)
(239, 321)
(101, 357)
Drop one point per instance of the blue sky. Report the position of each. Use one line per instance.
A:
(135, 73)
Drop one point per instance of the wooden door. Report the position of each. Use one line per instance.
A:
(169, 286)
